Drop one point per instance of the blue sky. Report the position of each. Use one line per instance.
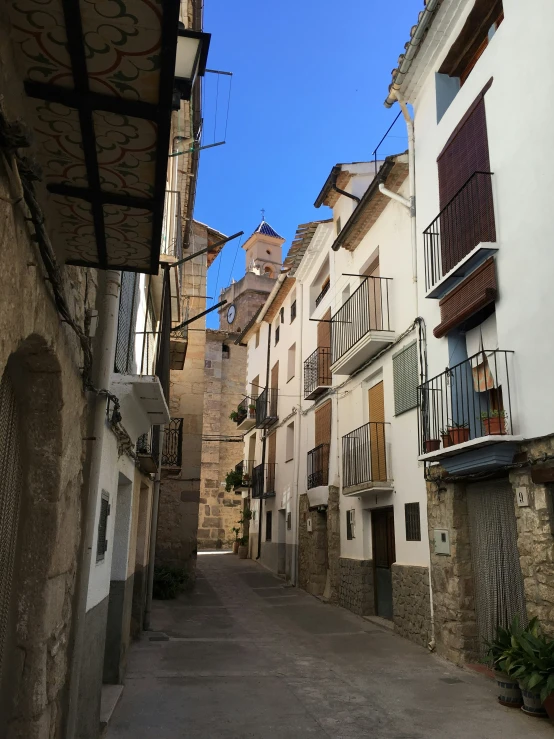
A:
(309, 81)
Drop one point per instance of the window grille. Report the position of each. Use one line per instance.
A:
(350, 524)
(413, 522)
(102, 543)
(268, 524)
(173, 443)
(404, 365)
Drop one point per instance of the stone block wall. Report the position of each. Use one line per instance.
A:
(411, 605)
(356, 586)
(312, 549)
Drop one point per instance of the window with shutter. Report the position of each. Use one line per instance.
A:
(413, 522)
(404, 366)
(350, 524)
(102, 542)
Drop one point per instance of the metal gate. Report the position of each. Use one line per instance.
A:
(10, 486)
(498, 582)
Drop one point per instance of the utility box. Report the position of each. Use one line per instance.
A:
(309, 524)
(442, 541)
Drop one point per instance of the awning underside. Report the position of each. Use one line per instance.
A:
(99, 76)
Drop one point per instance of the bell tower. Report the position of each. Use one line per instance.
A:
(263, 251)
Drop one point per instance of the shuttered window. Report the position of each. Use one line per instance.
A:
(413, 522)
(404, 365)
(102, 543)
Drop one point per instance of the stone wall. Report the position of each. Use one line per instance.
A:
(411, 606)
(312, 549)
(356, 586)
(333, 543)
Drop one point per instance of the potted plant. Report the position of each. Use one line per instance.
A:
(251, 410)
(494, 422)
(458, 433)
(530, 661)
(243, 547)
(233, 480)
(510, 692)
(445, 438)
(431, 445)
(236, 531)
(234, 416)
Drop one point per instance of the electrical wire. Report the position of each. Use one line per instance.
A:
(216, 101)
(228, 106)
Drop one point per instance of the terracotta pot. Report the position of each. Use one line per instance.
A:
(235, 547)
(494, 426)
(432, 445)
(532, 704)
(509, 690)
(458, 435)
(243, 551)
(446, 441)
(549, 707)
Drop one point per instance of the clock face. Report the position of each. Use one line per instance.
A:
(231, 312)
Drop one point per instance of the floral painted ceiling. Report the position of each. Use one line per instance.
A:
(99, 78)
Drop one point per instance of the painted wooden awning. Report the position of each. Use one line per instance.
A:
(99, 77)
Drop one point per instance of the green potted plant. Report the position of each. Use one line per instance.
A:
(530, 661)
(233, 480)
(431, 445)
(497, 652)
(458, 432)
(236, 531)
(234, 416)
(243, 547)
(494, 422)
(445, 438)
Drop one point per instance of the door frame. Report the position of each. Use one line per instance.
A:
(379, 509)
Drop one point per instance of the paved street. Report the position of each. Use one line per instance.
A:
(248, 658)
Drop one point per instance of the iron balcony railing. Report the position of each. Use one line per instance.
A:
(465, 221)
(173, 444)
(364, 455)
(323, 293)
(318, 466)
(266, 408)
(246, 469)
(148, 449)
(246, 409)
(367, 309)
(468, 401)
(263, 480)
(317, 370)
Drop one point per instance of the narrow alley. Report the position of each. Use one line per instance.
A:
(244, 657)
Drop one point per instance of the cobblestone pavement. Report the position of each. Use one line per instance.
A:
(248, 658)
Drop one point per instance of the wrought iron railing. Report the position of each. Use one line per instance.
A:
(323, 293)
(245, 468)
(367, 309)
(173, 443)
(263, 480)
(465, 221)
(470, 400)
(246, 409)
(317, 370)
(266, 408)
(318, 466)
(148, 444)
(364, 455)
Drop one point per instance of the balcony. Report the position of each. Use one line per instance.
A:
(266, 408)
(244, 475)
(148, 450)
(318, 476)
(246, 414)
(173, 444)
(178, 345)
(263, 481)
(365, 464)
(461, 237)
(361, 328)
(467, 407)
(317, 373)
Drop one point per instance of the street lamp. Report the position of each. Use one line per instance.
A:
(191, 58)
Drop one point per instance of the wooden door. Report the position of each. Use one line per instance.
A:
(323, 440)
(378, 455)
(271, 457)
(384, 555)
(324, 350)
(375, 298)
(272, 394)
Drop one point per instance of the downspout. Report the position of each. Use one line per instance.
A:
(299, 299)
(264, 444)
(343, 192)
(153, 532)
(105, 354)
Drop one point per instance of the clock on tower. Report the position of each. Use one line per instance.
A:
(231, 312)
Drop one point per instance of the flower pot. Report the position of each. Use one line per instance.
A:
(494, 426)
(243, 551)
(532, 704)
(235, 547)
(431, 445)
(446, 441)
(458, 435)
(509, 690)
(549, 707)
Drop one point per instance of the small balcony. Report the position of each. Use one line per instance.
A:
(361, 328)
(148, 450)
(178, 345)
(467, 407)
(365, 465)
(318, 466)
(266, 408)
(317, 373)
(263, 480)
(246, 414)
(173, 445)
(244, 472)
(461, 237)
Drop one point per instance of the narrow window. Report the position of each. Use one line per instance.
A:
(282, 315)
(338, 226)
(292, 311)
(413, 522)
(277, 334)
(102, 542)
(289, 452)
(291, 363)
(257, 341)
(268, 525)
(289, 521)
(350, 524)
(225, 351)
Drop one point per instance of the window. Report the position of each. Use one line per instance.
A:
(257, 339)
(292, 311)
(324, 290)
(291, 364)
(225, 351)
(282, 315)
(338, 226)
(255, 387)
(404, 367)
(289, 521)
(102, 542)
(289, 451)
(413, 522)
(350, 524)
(277, 333)
(268, 525)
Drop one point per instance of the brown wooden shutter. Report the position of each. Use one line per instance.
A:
(377, 432)
(272, 448)
(274, 381)
(323, 424)
(324, 331)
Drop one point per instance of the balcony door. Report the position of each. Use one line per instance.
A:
(271, 457)
(323, 441)
(384, 555)
(324, 350)
(377, 449)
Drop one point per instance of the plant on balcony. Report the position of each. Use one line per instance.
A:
(445, 437)
(252, 407)
(234, 416)
(458, 432)
(431, 445)
(494, 422)
(233, 480)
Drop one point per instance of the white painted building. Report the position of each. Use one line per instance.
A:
(482, 185)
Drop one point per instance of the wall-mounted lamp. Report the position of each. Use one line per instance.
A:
(190, 61)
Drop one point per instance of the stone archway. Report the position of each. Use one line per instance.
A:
(37, 593)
